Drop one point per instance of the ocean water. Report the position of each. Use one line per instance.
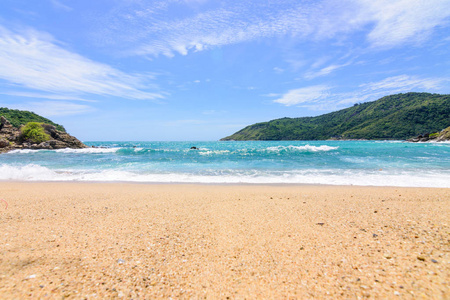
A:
(372, 163)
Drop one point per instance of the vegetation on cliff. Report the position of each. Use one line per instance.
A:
(21, 117)
(442, 136)
(34, 135)
(399, 116)
(34, 132)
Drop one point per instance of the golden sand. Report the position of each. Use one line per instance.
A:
(144, 241)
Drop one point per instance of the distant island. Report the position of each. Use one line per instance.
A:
(27, 130)
(394, 117)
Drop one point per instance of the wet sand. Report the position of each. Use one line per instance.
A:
(98, 240)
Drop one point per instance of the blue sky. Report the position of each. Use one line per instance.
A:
(203, 69)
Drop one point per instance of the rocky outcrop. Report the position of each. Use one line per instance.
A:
(443, 136)
(10, 138)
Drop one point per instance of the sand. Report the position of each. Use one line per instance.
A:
(143, 241)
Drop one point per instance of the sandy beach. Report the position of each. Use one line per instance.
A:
(145, 241)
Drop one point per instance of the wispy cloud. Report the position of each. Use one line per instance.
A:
(392, 85)
(34, 60)
(404, 82)
(148, 29)
(322, 97)
(278, 70)
(309, 94)
(404, 21)
(324, 71)
(60, 5)
(213, 28)
(44, 96)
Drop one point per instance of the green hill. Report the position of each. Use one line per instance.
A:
(22, 117)
(399, 116)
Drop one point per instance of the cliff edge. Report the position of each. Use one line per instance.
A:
(443, 136)
(35, 136)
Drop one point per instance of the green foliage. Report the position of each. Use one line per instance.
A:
(399, 116)
(22, 117)
(34, 132)
(434, 135)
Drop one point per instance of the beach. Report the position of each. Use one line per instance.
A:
(145, 241)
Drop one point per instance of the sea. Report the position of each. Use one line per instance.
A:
(365, 163)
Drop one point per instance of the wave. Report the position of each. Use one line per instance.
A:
(211, 152)
(29, 172)
(24, 151)
(306, 148)
(88, 150)
(432, 178)
(67, 150)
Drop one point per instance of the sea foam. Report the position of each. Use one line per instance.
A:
(305, 148)
(289, 162)
(33, 172)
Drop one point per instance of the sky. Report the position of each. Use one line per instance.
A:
(193, 70)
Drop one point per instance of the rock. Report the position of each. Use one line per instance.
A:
(10, 138)
(4, 122)
(43, 145)
(442, 136)
(3, 143)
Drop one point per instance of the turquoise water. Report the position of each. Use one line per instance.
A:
(378, 163)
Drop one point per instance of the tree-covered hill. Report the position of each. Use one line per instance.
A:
(399, 116)
(22, 117)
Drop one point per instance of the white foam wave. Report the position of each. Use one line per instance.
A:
(210, 152)
(24, 151)
(306, 148)
(88, 150)
(67, 150)
(29, 172)
(33, 172)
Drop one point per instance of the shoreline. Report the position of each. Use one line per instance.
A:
(228, 184)
(133, 240)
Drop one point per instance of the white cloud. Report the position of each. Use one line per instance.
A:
(324, 71)
(278, 70)
(206, 30)
(321, 97)
(60, 5)
(404, 21)
(43, 95)
(309, 94)
(404, 82)
(151, 29)
(34, 60)
(392, 85)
